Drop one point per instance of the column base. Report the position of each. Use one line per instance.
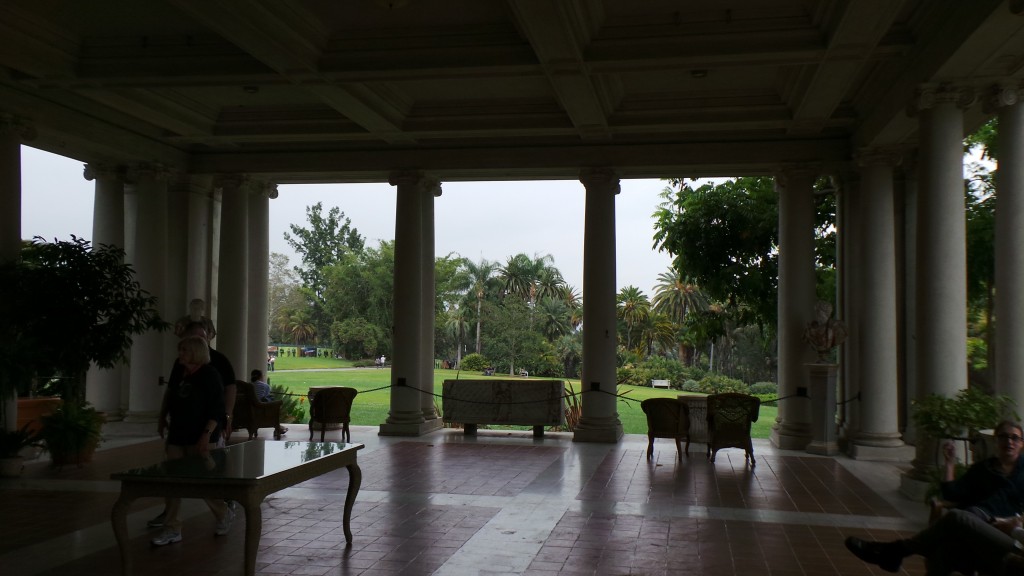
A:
(608, 431)
(823, 448)
(410, 428)
(899, 453)
(791, 437)
(145, 416)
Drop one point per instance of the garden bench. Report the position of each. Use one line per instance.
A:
(661, 383)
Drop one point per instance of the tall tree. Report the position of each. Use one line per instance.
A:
(676, 296)
(283, 295)
(633, 309)
(480, 275)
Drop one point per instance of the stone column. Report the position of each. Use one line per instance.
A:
(941, 282)
(848, 264)
(1009, 241)
(908, 276)
(792, 430)
(259, 272)
(234, 271)
(13, 130)
(877, 436)
(431, 190)
(176, 296)
(600, 419)
(103, 387)
(406, 415)
(200, 239)
(150, 263)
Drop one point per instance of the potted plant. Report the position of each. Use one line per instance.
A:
(71, 433)
(65, 306)
(12, 442)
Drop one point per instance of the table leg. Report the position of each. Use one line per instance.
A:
(119, 521)
(355, 478)
(253, 530)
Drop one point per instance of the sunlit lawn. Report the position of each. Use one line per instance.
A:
(371, 407)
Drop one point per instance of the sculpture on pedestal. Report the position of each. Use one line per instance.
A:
(196, 313)
(825, 332)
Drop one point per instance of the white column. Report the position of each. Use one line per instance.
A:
(599, 421)
(200, 239)
(234, 271)
(431, 190)
(848, 245)
(792, 430)
(406, 416)
(176, 247)
(13, 130)
(908, 275)
(941, 246)
(103, 387)
(259, 271)
(877, 436)
(150, 263)
(1009, 241)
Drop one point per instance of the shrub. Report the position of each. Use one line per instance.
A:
(474, 362)
(292, 406)
(764, 388)
(691, 386)
(717, 384)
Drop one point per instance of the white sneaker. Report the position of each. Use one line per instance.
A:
(224, 524)
(166, 537)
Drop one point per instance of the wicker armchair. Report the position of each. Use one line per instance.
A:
(729, 418)
(252, 414)
(667, 418)
(331, 406)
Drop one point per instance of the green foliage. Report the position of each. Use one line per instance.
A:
(12, 441)
(474, 362)
(357, 338)
(65, 306)
(71, 427)
(691, 385)
(770, 389)
(292, 406)
(966, 413)
(717, 384)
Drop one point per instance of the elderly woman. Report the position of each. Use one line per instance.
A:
(193, 408)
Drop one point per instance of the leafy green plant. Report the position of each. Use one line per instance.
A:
(474, 362)
(71, 429)
(717, 384)
(966, 413)
(292, 406)
(13, 441)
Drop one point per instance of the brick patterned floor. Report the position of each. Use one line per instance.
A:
(497, 503)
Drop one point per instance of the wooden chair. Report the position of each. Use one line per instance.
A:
(331, 406)
(667, 418)
(251, 414)
(729, 418)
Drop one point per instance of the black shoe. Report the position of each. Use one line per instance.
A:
(887, 555)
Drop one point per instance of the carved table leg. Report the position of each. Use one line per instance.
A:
(253, 529)
(355, 479)
(119, 521)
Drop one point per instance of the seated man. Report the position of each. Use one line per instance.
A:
(261, 388)
(959, 541)
(994, 486)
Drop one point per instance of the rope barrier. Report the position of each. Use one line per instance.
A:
(443, 397)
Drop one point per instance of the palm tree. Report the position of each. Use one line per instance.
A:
(554, 318)
(455, 324)
(633, 309)
(677, 296)
(301, 327)
(574, 303)
(479, 276)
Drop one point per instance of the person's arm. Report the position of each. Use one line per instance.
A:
(949, 461)
(230, 392)
(203, 445)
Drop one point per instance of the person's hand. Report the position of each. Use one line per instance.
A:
(1007, 524)
(203, 445)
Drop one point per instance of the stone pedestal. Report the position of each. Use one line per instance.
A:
(823, 409)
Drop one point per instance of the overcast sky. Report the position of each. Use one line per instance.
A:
(489, 220)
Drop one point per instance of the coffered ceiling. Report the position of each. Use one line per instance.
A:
(349, 90)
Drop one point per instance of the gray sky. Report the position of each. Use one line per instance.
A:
(490, 220)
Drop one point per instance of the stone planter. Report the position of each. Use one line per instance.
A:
(31, 410)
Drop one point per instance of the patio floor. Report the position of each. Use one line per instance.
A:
(500, 503)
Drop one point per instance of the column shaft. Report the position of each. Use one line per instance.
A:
(1009, 241)
(257, 327)
(431, 190)
(796, 306)
(232, 321)
(599, 421)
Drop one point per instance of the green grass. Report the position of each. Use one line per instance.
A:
(371, 408)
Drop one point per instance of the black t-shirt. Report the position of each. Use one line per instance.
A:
(192, 401)
(223, 367)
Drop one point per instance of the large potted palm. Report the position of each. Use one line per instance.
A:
(64, 306)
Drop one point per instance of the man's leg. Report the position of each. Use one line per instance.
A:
(963, 542)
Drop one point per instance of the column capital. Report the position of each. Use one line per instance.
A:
(878, 156)
(1002, 96)
(229, 181)
(405, 177)
(433, 186)
(787, 174)
(20, 127)
(97, 171)
(600, 178)
(930, 95)
(151, 170)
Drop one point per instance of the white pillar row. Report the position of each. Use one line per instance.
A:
(405, 417)
(259, 271)
(200, 239)
(877, 436)
(1009, 252)
(13, 130)
(103, 387)
(908, 276)
(431, 190)
(150, 263)
(792, 430)
(941, 245)
(234, 271)
(599, 421)
(179, 231)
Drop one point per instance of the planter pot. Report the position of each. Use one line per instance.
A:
(11, 467)
(60, 457)
(30, 410)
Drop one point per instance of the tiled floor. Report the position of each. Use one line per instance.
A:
(499, 503)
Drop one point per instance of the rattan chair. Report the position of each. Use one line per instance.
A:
(729, 418)
(667, 418)
(251, 414)
(331, 406)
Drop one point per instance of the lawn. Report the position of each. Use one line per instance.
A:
(371, 407)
